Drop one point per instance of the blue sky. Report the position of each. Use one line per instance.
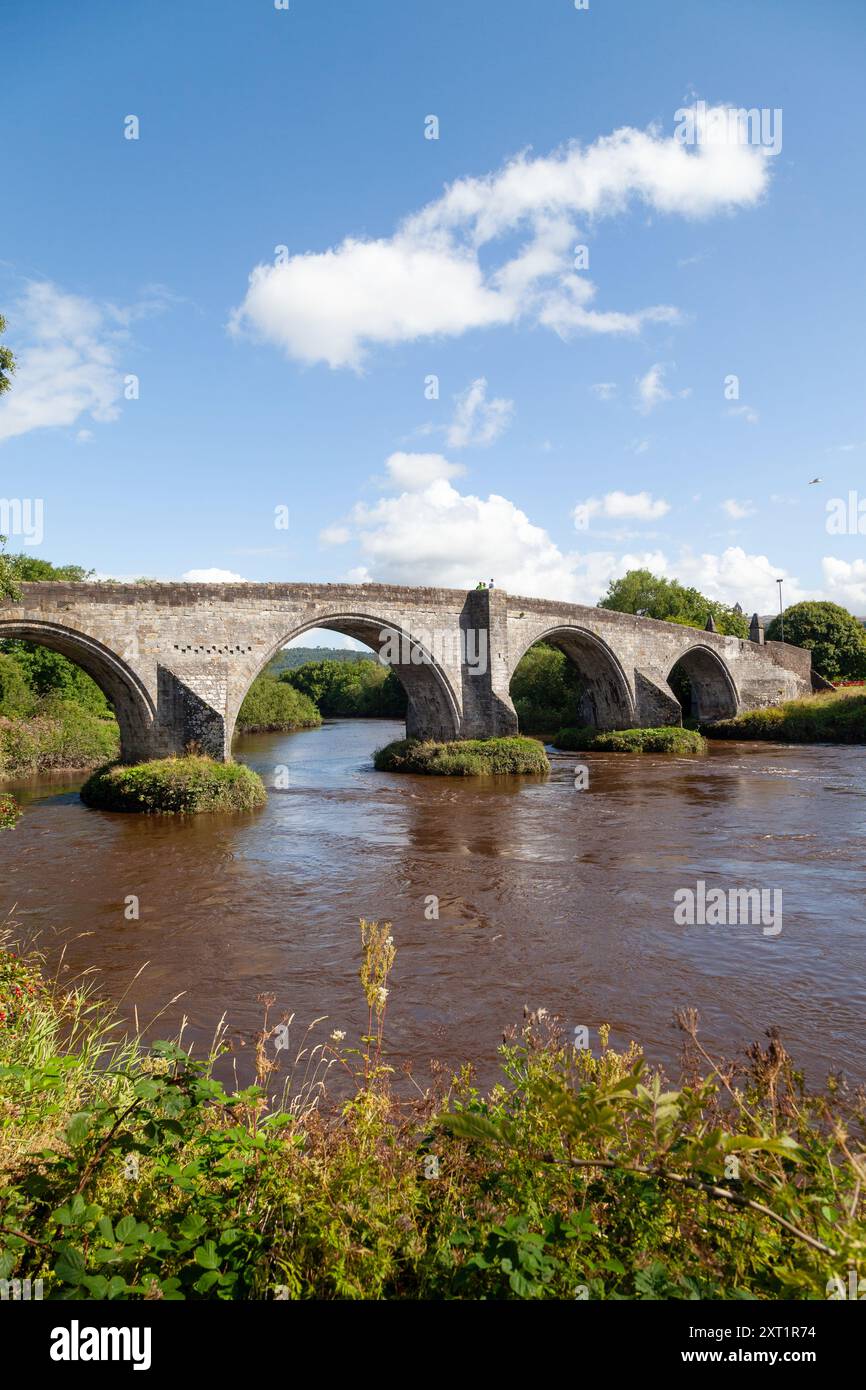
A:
(561, 386)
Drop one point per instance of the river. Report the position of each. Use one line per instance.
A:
(547, 896)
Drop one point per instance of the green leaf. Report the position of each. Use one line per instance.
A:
(70, 1268)
(78, 1128)
(206, 1255)
(468, 1125)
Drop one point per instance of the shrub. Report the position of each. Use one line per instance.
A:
(174, 786)
(669, 739)
(60, 734)
(16, 697)
(10, 811)
(271, 704)
(472, 757)
(834, 717)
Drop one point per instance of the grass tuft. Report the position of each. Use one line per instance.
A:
(471, 757)
(670, 739)
(174, 786)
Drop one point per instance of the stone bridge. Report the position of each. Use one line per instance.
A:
(176, 660)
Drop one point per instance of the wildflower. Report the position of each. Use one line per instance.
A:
(382, 994)
(337, 1035)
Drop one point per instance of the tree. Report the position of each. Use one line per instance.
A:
(546, 689)
(8, 581)
(7, 361)
(640, 591)
(835, 638)
(27, 568)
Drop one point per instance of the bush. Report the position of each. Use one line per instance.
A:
(272, 704)
(16, 697)
(60, 734)
(10, 811)
(471, 757)
(834, 717)
(835, 638)
(174, 786)
(670, 739)
(47, 673)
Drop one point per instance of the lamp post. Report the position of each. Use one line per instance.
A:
(780, 582)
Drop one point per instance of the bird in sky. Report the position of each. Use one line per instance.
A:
(815, 480)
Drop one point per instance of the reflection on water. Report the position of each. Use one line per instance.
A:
(547, 896)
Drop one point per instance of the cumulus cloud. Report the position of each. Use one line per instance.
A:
(478, 420)
(428, 278)
(67, 350)
(212, 576)
(414, 471)
(846, 582)
(636, 506)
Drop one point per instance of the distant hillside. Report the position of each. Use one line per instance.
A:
(290, 658)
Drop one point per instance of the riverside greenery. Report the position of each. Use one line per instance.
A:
(832, 717)
(271, 705)
(129, 1172)
(175, 786)
(471, 757)
(669, 739)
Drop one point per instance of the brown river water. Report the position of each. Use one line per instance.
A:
(547, 896)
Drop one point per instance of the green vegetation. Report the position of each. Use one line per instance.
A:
(639, 591)
(7, 360)
(355, 690)
(670, 739)
(57, 734)
(174, 786)
(129, 1173)
(290, 658)
(10, 811)
(545, 689)
(835, 638)
(836, 716)
(470, 757)
(272, 704)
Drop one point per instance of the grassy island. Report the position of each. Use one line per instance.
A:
(670, 739)
(470, 757)
(174, 786)
(838, 716)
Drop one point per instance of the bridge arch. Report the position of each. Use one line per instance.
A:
(133, 707)
(433, 708)
(607, 701)
(703, 684)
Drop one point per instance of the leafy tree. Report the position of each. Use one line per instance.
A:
(28, 569)
(353, 689)
(640, 591)
(7, 361)
(835, 638)
(48, 673)
(546, 690)
(8, 582)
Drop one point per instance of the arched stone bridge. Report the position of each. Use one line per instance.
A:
(176, 660)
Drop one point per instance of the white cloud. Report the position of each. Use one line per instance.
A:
(428, 278)
(212, 576)
(846, 582)
(67, 350)
(736, 509)
(651, 390)
(477, 420)
(745, 412)
(737, 577)
(335, 535)
(637, 506)
(414, 471)
(605, 390)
